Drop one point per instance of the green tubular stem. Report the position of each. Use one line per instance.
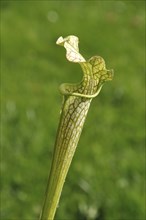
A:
(72, 120)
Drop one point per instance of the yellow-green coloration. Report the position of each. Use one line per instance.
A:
(77, 99)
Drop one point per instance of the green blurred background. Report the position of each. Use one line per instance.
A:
(106, 178)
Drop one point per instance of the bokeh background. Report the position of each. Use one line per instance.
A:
(106, 178)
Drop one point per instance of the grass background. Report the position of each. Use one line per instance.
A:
(106, 178)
